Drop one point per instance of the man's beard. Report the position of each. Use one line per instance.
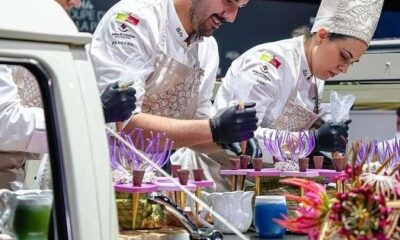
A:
(202, 30)
(199, 28)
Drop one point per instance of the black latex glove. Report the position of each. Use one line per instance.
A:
(234, 125)
(332, 137)
(252, 148)
(118, 103)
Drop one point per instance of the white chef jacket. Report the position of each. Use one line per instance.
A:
(116, 42)
(21, 128)
(274, 72)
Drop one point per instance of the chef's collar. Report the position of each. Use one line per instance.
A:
(304, 67)
(177, 28)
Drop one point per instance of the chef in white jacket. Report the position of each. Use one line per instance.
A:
(286, 78)
(22, 128)
(22, 124)
(165, 48)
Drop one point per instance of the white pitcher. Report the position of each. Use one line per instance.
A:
(235, 207)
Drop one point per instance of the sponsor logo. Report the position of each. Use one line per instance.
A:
(124, 43)
(261, 82)
(264, 68)
(179, 31)
(305, 72)
(122, 35)
(261, 75)
(123, 28)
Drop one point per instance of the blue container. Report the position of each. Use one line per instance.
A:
(266, 209)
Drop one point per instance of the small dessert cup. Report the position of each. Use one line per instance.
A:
(339, 163)
(183, 176)
(174, 168)
(303, 164)
(257, 164)
(318, 162)
(137, 177)
(198, 174)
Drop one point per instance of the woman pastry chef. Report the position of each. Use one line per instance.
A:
(286, 78)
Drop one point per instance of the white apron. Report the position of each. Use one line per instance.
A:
(29, 92)
(172, 89)
(295, 117)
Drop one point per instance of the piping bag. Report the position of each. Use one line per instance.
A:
(134, 70)
(340, 110)
(240, 95)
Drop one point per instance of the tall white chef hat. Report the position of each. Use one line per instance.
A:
(355, 18)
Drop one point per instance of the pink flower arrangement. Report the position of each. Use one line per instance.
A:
(360, 214)
(313, 209)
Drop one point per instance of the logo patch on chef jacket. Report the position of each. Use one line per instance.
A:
(261, 75)
(179, 31)
(268, 58)
(264, 68)
(123, 36)
(123, 28)
(123, 17)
